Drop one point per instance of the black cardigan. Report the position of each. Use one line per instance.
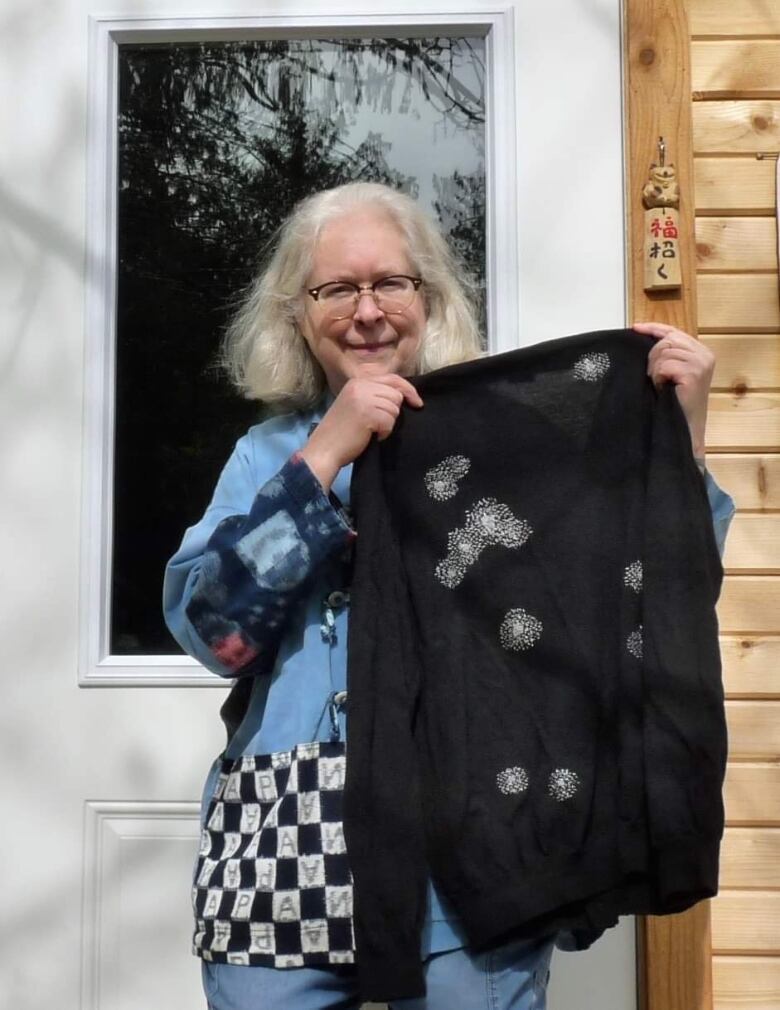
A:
(535, 706)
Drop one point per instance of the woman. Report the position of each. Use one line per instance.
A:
(361, 292)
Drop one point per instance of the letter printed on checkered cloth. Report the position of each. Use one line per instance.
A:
(272, 884)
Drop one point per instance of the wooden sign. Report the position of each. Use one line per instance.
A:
(662, 253)
(661, 198)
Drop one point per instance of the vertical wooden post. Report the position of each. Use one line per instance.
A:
(674, 961)
(658, 103)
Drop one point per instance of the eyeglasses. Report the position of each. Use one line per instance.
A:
(391, 294)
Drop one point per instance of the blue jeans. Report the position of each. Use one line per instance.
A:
(513, 976)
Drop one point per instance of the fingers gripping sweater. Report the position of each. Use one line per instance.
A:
(536, 711)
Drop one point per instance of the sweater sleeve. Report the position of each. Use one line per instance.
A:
(685, 742)
(233, 585)
(721, 506)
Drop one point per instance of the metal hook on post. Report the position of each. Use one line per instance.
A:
(662, 151)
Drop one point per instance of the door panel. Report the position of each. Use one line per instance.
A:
(101, 781)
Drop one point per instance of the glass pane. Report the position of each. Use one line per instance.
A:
(217, 142)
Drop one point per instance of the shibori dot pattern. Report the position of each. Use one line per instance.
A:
(634, 643)
(519, 630)
(632, 576)
(562, 784)
(512, 780)
(488, 523)
(273, 886)
(441, 481)
(591, 367)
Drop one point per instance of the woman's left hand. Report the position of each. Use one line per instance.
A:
(682, 359)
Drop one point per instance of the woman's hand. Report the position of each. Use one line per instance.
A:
(365, 406)
(682, 359)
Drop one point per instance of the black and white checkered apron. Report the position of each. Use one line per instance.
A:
(272, 884)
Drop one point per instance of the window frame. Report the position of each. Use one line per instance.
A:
(97, 665)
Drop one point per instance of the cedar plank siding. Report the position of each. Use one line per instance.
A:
(735, 84)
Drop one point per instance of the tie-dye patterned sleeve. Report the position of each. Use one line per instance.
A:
(254, 568)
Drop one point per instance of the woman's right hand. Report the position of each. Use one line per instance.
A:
(364, 406)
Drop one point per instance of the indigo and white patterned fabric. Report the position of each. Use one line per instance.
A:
(257, 565)
(272, 883)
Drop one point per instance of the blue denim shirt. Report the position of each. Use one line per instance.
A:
(250, 593)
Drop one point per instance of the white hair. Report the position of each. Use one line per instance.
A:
(264, 351)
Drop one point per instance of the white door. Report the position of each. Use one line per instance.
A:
(105, 754)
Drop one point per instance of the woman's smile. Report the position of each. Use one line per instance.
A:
(371, 346)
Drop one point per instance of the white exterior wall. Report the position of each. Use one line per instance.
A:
(99, 784)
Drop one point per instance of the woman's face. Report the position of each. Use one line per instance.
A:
(361, 246)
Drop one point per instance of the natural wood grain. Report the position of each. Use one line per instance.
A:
(674, 965)
(744, 77)
(736, 243)
(753, 544)
(736, 69)
(729, 127)
(744, 302)
(749, 603)
(657, 61)
(734, 17)
(751, 793)
(745, 361)
(750, 857)
(744, 185)
(751, 665)
(742, 422)
(681, 965)
(754, 730)
(752, 479)
(746, 921)
(746, 983)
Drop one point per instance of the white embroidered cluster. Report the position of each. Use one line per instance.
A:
(634, 643)
(519, 630)
(591, 367)
(512, 780)
(441, 481)
(488, 523)
(563, 784)
(633, 576)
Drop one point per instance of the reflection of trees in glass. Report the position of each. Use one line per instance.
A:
(217, 142)
(218, 122)
(460, 205)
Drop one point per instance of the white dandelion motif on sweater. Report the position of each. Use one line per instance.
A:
(591, 367)
(441, 481)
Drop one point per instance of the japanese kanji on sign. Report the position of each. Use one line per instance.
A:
(661, 199)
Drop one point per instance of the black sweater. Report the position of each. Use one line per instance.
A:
(536, 711)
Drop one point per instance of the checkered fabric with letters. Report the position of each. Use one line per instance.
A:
(272, 883)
